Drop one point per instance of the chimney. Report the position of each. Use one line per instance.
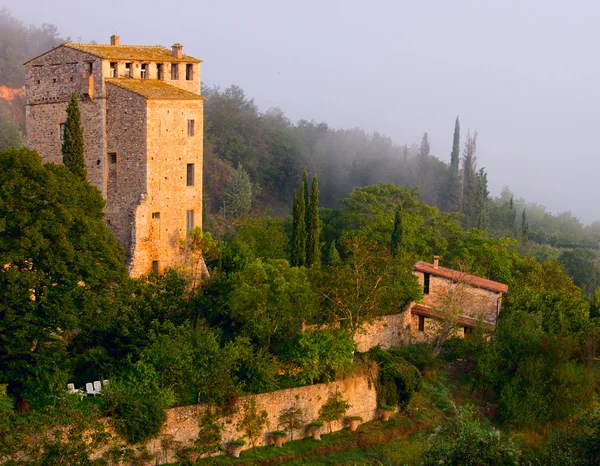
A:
(436, 261)
(115, 40)
(177, 50)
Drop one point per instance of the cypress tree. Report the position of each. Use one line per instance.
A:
(298, 256)
(313, 245)
(396, 242)
(333, 257)
(511, 223)
(73, 145)
(450, 195)
(524, 227)
(306, 198)
(293, 259)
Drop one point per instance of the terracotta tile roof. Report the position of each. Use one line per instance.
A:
(462, 320)
(456, 276)
(154, 89)
(132, 52)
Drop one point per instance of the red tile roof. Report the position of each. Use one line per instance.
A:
(462, 320)
(458, 276)
(154, 89)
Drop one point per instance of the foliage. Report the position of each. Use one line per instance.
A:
(237, 198)
(271, 300)
(578, 446)
(397, 379)
(320, 355)
(368, 283)
(313, 227)
(62, 268)
(210, 433)
(334, 409)
(10, 133)
(582, 266)
(263, 236)
(291, 418)
(73, 147)
(299, 234)
(253, 422)
(396, 241)
(464, 441)
(137, 403)
(536, 374)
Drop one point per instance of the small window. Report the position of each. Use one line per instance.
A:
(39, 82)
(174, 71)
(421, 323)
(62, 131)
(155, 267)
(90, 67)
(189, 72)
(113, 69)
(189, 221)
(112, 157)
(190, 174)
(191, 127)
(426, 280)
(128, 70)
(155, 215)
(144, 71)
(54, 80)
(160, 71)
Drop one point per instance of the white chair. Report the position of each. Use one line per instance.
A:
(89, 389)
(71, 388)
(97, 387)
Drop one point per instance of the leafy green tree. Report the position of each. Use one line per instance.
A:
(237, 199)
(334, 409)
(73, 147)
(253, 422)
(321, 355)
(396, 241)
(298, 254)
(291, 419)
(333, 257)
(313, 241)
(368, 283)
(271, 300)
(583, 267)
(264, 236)
(62, 269)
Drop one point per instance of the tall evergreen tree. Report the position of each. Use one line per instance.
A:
(450, 195)
(333, 257)
(298, 256)
(511, 218)
(469, 191)
(306, 198)
(481, 208)
(524, 227)
(73, 147)
(396, 242)
(237, 198)
(313, 245)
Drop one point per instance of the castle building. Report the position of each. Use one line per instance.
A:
(142, 116)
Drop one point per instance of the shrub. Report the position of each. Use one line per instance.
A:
(210, 433)
(253, 422)
(397, 379)
(334, 409)
(137, 403)
(579, 446)
(464, 441)
(292, 418)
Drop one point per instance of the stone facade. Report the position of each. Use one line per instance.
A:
(386, 331)
(182, 425)
(142, 116)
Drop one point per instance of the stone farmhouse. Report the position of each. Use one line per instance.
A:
(452, 294)
(142, 116)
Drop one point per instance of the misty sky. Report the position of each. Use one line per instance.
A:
(525, 74)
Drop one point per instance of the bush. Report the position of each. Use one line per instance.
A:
(464, 441)
(137, 403)
(397, 379)
(334, 409)
(579, 446)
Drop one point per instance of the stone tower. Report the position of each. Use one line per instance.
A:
(142, 116)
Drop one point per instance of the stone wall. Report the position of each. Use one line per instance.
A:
(386, 331)
(182, 425)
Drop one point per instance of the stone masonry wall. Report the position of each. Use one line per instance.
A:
(182, 425)
(170, 150)
(126, 184)
(386, 331)
(50, 81)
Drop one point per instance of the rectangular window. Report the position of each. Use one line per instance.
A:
(160, 71)
(144, 71)
(90, 67)
(190, 174)
(174, 71)
(189, 221)
(113, 69)
(191, 127)
(426, 280)
(128, 70)
(421, 323)
(155, 267)
(62, 131)
(155, 214)
(112, 156)
(189, 72)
